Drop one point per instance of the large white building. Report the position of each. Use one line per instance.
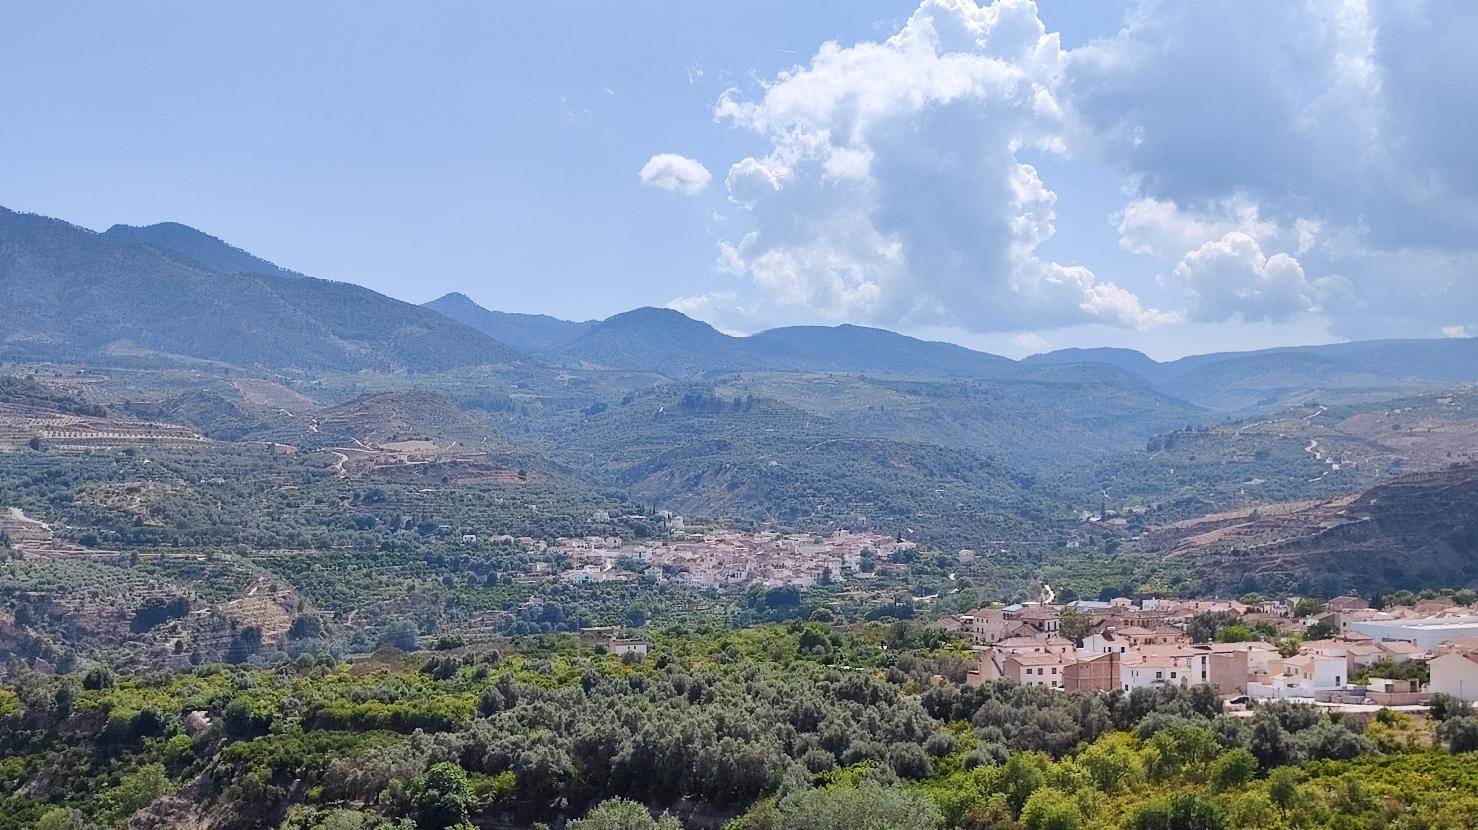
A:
(1425, 632)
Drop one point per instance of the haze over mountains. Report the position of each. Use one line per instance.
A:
(168, 290)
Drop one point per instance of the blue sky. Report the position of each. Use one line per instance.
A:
(1172, 177)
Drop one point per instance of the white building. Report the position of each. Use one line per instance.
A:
(622, 646)
(1153, 670)
(1455, 673)
(1426, 632)
(1302, 676)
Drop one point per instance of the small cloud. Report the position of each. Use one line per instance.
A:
(1031, 342)
(695, 74)
(679, 174)
(1456, 331)
(723, 310)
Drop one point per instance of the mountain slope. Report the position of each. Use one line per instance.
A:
(70, 293)
(1127, 359)
(860, 349)
(669, 342)
(526, 332)
(199, 247)
(1412, 532)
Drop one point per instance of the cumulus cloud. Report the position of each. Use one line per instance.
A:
(1326, 130)
(1279, 158)
(1161, 228)
(671, 171)
(724, 310)
(892, 191)
(1233, 277)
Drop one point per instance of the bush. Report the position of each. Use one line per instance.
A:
(1461, 734)
(621, 814)
(1050, 809)
(1183, 811)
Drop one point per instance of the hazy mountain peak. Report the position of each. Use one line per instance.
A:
(198, 246)
(72, 293)
(528, 332)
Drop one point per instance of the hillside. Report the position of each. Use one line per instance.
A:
(690, 449)
(666, 341)
(860, 349)
(1051, 418)
(1127, 359)
(527, 332)
(1415, 531)
(412, 415)
(70, 293)
(199, 248)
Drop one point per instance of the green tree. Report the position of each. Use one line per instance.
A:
(400, 634)
(60, 818)
(136, 790)
(1182, 811)
(1051, 809)
(1236, 633)
(440, 797)
(1461, 734)
(1283, 788)
(867, 807)
(1074, 625)
(1233, 768)
(620, 814)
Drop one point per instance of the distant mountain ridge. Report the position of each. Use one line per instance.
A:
(1235, 381)
(69, 293)
(199, 247)
(527, 332)
(171, 291)
(665, 341)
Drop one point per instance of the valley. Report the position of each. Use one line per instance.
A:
(370, 514)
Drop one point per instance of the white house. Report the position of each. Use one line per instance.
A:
(1302, 676)
(1455, 673)
(1147, 671)
(622, 646)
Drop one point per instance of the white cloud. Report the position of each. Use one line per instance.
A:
(892, 191)
(1326, 130)
(1160, 228)
(1455, 331)
(1281, 159)
(723, 310)
(671, 171)
(1030, 342)
(1233, 277)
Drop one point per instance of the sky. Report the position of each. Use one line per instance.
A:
(1173, 177)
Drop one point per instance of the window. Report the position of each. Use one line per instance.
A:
(1159, 675)
(1172, 675)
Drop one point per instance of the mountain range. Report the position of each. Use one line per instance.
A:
(168, 291)
(69, 293)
